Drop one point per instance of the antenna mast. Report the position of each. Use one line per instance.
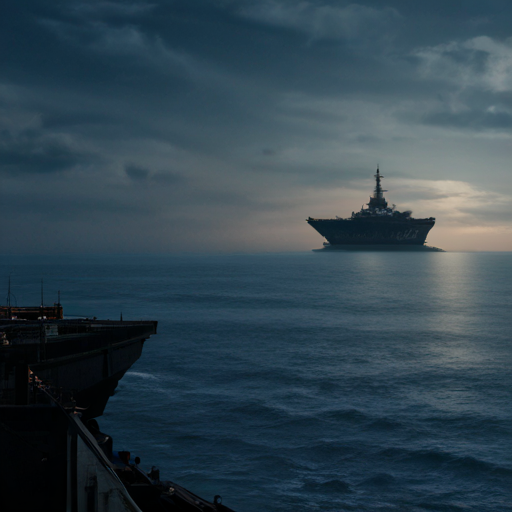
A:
(377, 200)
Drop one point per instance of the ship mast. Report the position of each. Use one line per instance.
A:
(378, 189)
(377, 200)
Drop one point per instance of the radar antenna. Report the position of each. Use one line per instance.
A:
(377, 200)
(9, 295)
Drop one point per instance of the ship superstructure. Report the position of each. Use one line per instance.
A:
(376, 225)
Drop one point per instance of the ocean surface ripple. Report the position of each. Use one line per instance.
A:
(303, 382)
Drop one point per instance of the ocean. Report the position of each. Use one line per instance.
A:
(332, 381)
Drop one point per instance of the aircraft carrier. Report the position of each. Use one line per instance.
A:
(376, 227)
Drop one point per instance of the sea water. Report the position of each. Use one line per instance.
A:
(308, 381)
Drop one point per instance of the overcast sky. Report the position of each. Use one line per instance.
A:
(221, 125)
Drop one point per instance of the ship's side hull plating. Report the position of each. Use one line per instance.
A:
(85, 357)
(373, 231)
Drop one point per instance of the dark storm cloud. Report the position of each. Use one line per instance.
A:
(491, 215)
(141, 174)
(180, 108)
(352, 22)
(77, 207)
(111, 9)
(136, 173)
(32, 151)
(168, 178)
(473, 120)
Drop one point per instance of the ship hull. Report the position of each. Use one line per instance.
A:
(92, 375)
(373, 232)
(380, 248)
(86, 358)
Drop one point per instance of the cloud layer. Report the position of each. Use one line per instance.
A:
(221, 125)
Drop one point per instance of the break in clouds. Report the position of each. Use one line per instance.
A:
(221, 125)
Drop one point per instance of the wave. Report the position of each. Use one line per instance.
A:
(447, 461)
(378, 480)
(329, 486)
(350, 415)
(142, 375)
(261, 414)
(385, 424)
(470, 422)
(271, 417)
(442, 507)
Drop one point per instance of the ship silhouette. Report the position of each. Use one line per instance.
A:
(376, 227)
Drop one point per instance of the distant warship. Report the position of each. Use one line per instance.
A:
(377, 226)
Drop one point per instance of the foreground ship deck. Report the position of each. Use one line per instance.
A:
(56, 376)
(86, 357)
(377, 226)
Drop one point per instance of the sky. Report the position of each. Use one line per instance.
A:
(221, 125)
